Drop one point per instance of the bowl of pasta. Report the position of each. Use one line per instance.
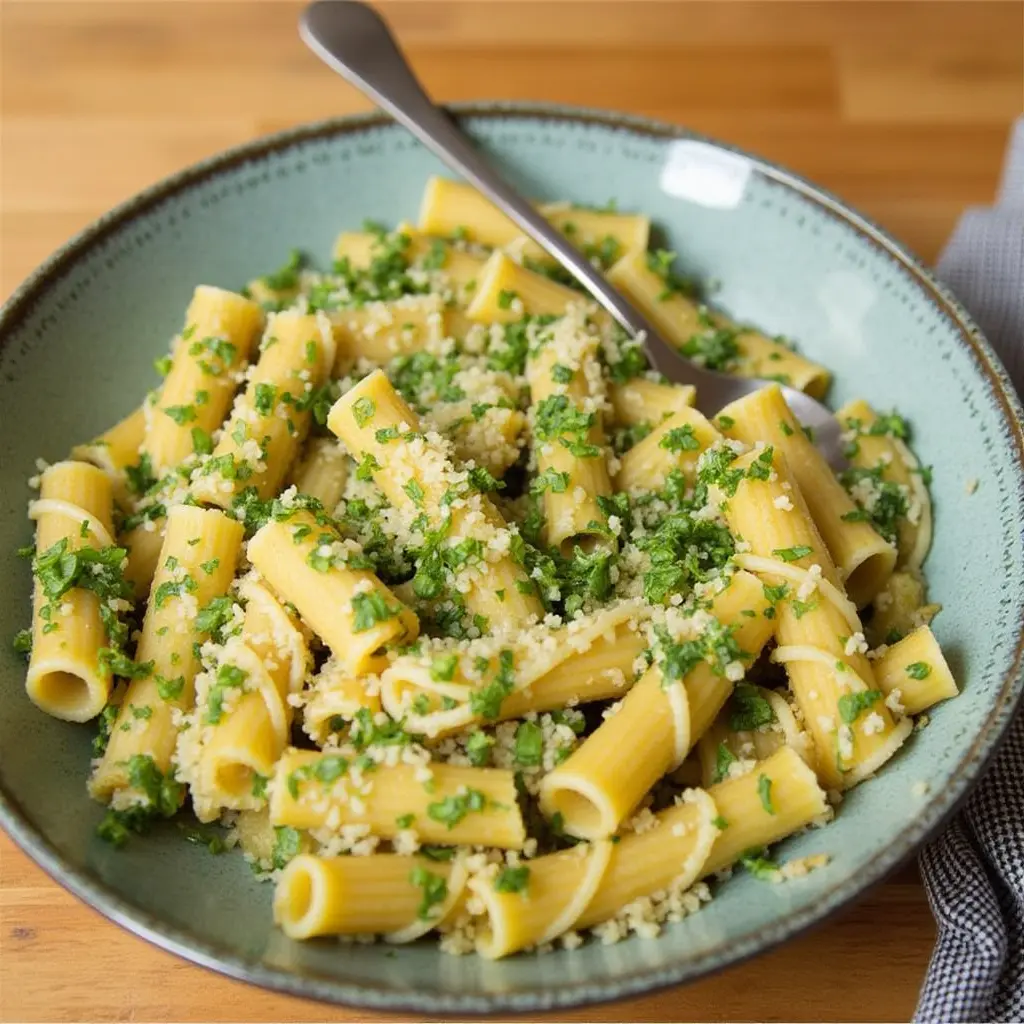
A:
(388, 633)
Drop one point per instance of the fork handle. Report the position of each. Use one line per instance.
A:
(354, 40)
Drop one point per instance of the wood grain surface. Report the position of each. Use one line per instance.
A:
(901, 108)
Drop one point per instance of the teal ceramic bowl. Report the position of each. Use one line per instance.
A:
(77, 344)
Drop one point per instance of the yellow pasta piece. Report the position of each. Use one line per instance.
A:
(899, 608)
(791, 792)
(380, 331)
(336, 694)
(603, 780)
(115, 450)
(820, 638)
(357, 247)
(864, 559)
(455, 270)
(757, 744)
(674, 444)
(913, 673)
(143, 545)
(576, 460)
(647, 401)
(416, 475)
(559, 887)
(874, 443)
(507, 292)
(398, 896)
(197, 564)
(305, 561)
(243, 713)
(582, 887)
(323, 472)
(454, 208)
(590, 659)
(220, 331)
(271, 418)
(670, 854)
(442, 803)
(65, 677)
(685, 323)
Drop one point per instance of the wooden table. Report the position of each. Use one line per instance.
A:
(901, 108)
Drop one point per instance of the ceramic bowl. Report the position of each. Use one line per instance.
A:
(78, 341)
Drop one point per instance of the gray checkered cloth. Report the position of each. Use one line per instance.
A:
(974, 872)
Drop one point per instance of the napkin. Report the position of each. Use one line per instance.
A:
(974, 871)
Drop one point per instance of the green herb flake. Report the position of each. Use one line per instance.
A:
(748, 710)
(363, 410)
(452, 809)
(852, 704)
(514, 879)
(434, 889)
(529, 744)
(794, 553)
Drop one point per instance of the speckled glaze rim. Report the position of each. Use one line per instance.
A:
(932, 815)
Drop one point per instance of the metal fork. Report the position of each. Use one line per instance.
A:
(352, 39)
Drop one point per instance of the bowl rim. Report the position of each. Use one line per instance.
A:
(932, 813)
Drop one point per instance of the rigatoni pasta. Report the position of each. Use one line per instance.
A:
(458, 618)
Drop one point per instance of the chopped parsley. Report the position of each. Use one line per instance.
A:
(452, 809)
(724, 759)
(514, 879)
(434, 889)
(368, 609)
(852, 704)
(792, 554)
(363, 410)
(919, 670)
(680, 439)
(486, 701)
(764, 792)
(748, 710)
(287, 845)
(529, 744)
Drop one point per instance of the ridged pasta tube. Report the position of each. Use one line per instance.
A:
(416, 475)
(567, 393)
(865, 560)
(676, 443)
(506, 292)
(351, 610)
(442, 803)
(914, 673)
(380, 331)
(271, 417)
(197, 564)
(604, 780)
(590, 659)
(875, 445)
(590, 883)
(820, 638)
(647, 401)
(399, 897)
(220, 332)
(334, 698)
(243, 716)
(453, 207)
(780, 796)
(65, 678)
